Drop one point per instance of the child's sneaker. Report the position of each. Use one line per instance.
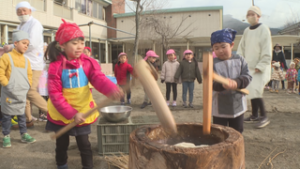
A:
(34, 118)
(185, 105)
(26, 138)
(251, 119)
(263, 122)
(144, 105)
(168, 103)
(191, 105)
(6, 141)
(128, 101)
(122, 103)
(277, 91)
(174, 104)
(272, 91)
(42, 117)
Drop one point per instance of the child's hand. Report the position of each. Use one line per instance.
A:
(162, 81)
(257, 70)
(79, 118)
(117, 94)
(232, 85)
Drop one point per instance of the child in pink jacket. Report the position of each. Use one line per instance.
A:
(69, 95)
(291, 77)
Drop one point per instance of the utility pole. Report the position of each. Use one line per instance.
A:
(252, 2)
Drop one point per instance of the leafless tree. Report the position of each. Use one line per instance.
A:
(139, 7)
(159, 25)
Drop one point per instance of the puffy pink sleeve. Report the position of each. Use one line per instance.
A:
(97, 78)
(55, 91)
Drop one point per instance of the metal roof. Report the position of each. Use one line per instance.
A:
(173, 10)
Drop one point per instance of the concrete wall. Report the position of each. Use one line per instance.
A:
(201, 23)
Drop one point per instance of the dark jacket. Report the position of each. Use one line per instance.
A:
(188, 71)
(279, 58)
(153, 67)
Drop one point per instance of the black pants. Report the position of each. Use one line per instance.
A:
(84, 146)
(282, 84)
(174, 87)
(258, 104)
(236, 123)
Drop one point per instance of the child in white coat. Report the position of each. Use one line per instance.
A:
(167, 75)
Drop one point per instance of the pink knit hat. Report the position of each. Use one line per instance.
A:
(170, 52)
(187, 51)
(151, 53)
(122, 54)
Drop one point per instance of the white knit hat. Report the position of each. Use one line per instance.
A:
(292, 63)
(255, 9)
(276, 64)
(19, 35)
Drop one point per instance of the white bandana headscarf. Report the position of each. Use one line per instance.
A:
(25, 4)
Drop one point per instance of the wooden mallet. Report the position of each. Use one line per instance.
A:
(150, 85)
(208, 77)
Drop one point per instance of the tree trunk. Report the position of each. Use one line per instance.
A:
(151, 148)
(136, 42)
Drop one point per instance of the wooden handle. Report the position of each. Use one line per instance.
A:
(85, 115)
(207, 91)
(158, 102)
(225, 81)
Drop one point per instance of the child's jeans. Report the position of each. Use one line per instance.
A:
(275, 84)
(128, 92)
(6, 124)
(188, 86)
(84, 146)
(291, 85)
(168, 92)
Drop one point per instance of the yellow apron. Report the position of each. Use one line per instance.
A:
(77, 93)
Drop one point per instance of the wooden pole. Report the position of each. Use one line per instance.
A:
(207, 91)
(153, 92)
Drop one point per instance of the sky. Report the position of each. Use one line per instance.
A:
(275, 13)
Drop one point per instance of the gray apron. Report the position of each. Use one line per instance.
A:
(13, 96)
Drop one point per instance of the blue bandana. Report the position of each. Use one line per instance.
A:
(225, 35)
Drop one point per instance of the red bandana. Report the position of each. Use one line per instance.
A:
(67, 31)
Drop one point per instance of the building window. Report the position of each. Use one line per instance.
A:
(89, 8)
(61, 9)
(39, 5)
